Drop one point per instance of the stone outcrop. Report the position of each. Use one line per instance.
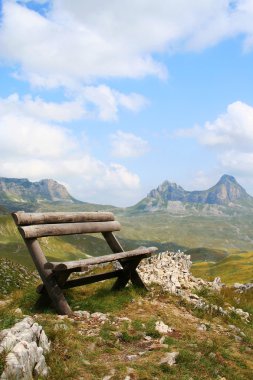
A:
(171, 271)
(241, 288)
(25, 345)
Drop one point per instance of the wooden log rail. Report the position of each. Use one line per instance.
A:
(42, 230)
(56, 266)
(22, 218)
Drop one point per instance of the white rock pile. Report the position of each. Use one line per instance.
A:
(25, 345)
(171, 270)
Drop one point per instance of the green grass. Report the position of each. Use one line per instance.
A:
(237, 267)
(89, 349)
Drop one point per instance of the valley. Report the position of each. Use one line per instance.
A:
(212, 233)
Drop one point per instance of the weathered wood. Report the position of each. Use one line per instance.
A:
(91, 279)
(113, 242)
(48, 278)
(23, 218)
(55, 275)
(56, 266)
(41, 230)
(129, 273)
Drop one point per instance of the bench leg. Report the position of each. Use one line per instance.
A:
(44, 299)
(129, 273)
(54, 291)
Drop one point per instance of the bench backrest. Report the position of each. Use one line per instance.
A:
(35, 225)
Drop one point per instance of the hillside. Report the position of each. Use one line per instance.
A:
(209, 232)
(132, 335)
(236, 267)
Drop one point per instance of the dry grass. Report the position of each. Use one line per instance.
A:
(90, 349)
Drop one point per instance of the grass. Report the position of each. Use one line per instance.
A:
(237, 267)
(90, 349)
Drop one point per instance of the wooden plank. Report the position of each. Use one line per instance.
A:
(56, 266)
(91, 279)
(47, 276)
(36, 231)
(22, 218)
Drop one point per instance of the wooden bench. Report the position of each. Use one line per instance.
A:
(55, 275)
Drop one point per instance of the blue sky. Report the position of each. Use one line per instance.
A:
(112, 98)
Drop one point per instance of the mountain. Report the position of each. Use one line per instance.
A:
(45, 195)
(226, 192)
(20, 192)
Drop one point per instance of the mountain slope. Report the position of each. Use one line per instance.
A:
(22, 194)
(22, 190)
(45, 195)
(225, 192)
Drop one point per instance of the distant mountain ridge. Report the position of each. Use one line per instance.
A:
(21, 191)
(48, 194)
(225, 192)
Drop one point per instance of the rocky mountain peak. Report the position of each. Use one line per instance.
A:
(21, 191)
(226, 191)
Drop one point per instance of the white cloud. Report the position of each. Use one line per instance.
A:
(238, 162)
(39, 109)
(77, 41)
(109, 101)
(37, 149)
(231, 135)
(231, 130)
(105, 103)
(128, 145)
(25, 136)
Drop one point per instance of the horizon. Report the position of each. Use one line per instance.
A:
(112, 99)
(103, 204)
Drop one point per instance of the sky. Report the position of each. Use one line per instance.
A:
(111, 98)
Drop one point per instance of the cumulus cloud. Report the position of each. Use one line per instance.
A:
(39, 109)
(108, 101)
(91, 102)
(231, 130)
(77, 41)
(231, 135)
(128, 145)
(35, 148)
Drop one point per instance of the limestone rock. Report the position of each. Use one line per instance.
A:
(25, 345)
(162, 328)
(169, 358)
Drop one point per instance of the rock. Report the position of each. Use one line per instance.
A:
(202, 327)
(240, 288)
(82, 314)
(162, 328)
(238, 338)
(99, 316)
(18, 311)
(108, 377)
(169, 358)
(4, 303)
(25, 344)
(60, 326)
(131, 357)
(157, 346)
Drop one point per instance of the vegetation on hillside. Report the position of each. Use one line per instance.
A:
(124, 341)
(237, 267)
